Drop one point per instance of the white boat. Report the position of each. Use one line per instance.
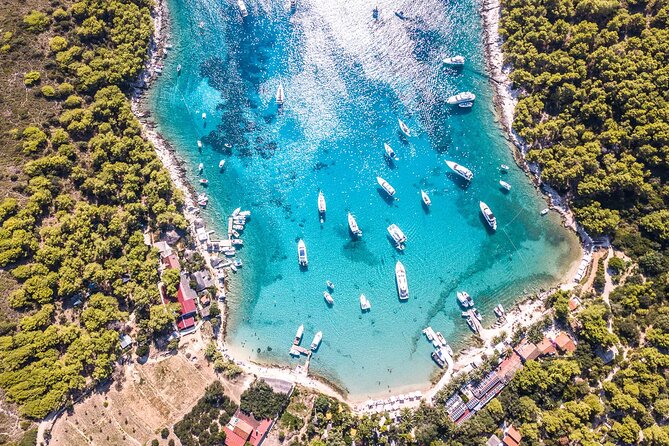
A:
(238, 227)
(545, 211)
(477, 314)
(245, 214)
(233, 267)
(179, 69)
(280, 96)
(488, 215)
(317, 340)
(390, 152)
(237, 241)
(455, 60)
(321, 205)
(397, 235)
(438, 357)
(238, 263)
(204, 116)
(328, 298)
(426, 198)
(504, 167)
(465, 96)
(471, 324)
(386, 186)
(365, 304)
(302, 253)
(353, 226)
(404, 128)
(200, 167)
(401, 279)
(460, 170)
(236, 212)
(230, 252)
(199, 144)
(440, 338)
(221, 163)
(505, 185)
(242, 8)
(330, 285)
(465, 299)
(499, 311)
(466, 104)
(298, 335)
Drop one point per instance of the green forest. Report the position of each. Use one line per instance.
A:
(71, 231)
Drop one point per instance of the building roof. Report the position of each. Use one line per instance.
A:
(126, 341)
(163, 248)
(185, 322)
(244, 428)
(565, 343)
(527, 350)
(203, 280)
(546, 347)
(512, 437)
(171, 236)
(574, 303)
(172, 262)
(510, 366)
(494, 441)
(186, 296)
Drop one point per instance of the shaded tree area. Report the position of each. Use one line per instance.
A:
(203, 425)
(262, 402)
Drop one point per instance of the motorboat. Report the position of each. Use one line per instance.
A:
(179, 69)
(465, 96)
(426, 198)
(438, 357)
(472, 325)
(280, 96)
(499, 311)
(365, 304)
(386, 186)
(302, 253)
(353, 226)
(460, 170)
(236, 212)
(401, 15)
(328, 298)
(298, 335)
(401, 279)
(465, 299)
(232, 267)
(455, 60)
(235, 233)
(321, 205)
(238, 263)
(202, 199)
(238, 227)
(477, 314)
(242, 8)
(375, 11)
(237, 241)
(221, 163)
(466, 104)
(330, 285)
(429, 334)
(505, 185)
(230, 252)
(390, 152)
(488, 215)
(200, 167)
(404, 128)
(504, 168)
(545, 211)
(440, 338)
(317, 340)
(204, 181)
(199, 144)
(204, 116)
(245, 214)
(397, 235)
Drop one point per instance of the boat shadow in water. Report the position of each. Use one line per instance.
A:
(390, 163)
(458, 180)
(390, 201)
(426, 208)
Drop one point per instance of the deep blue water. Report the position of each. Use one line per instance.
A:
(348, 78)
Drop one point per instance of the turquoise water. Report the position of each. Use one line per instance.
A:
(348, 78)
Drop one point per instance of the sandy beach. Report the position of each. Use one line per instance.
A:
(523, 314)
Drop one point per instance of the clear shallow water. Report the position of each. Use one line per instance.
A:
(347, 79)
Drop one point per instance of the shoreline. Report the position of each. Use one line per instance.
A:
(525, 311)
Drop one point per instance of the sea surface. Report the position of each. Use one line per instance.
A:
(348, 77)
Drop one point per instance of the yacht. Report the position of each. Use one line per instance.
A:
(505, 185)
(390, 152)
(465, 299)
(488, 215)
(321, 205)
(386, 186)
(298, 335)
(397, 235)
(455, 60)
(426, 198)
(328, 298)
(302, 253)
(404, 128)
(365, 304)
(465, 96)
(317, 340)
(280, 96)
(460, 170)
(242, 8)
(221, 163)
(353, 226)
(401, 279)
(330, 285)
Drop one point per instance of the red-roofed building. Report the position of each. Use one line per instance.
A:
(546, 347)
(185, 322)
(509, 366)
(243, 429)
(527, 351)
(186, 296)
(574, 303)
(565, 343)
(171, 262)
(511, 436)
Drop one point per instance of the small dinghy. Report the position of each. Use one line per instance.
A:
(426, 198)
(328, 298)
(330, 285)
(504, 168)
(199, 144)
(545, 211)
(204, 181)
(221, 163)
(179, 69)
(466, 104)
(505, 185)
(390, 152)
(365, 304)
(204, 116)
